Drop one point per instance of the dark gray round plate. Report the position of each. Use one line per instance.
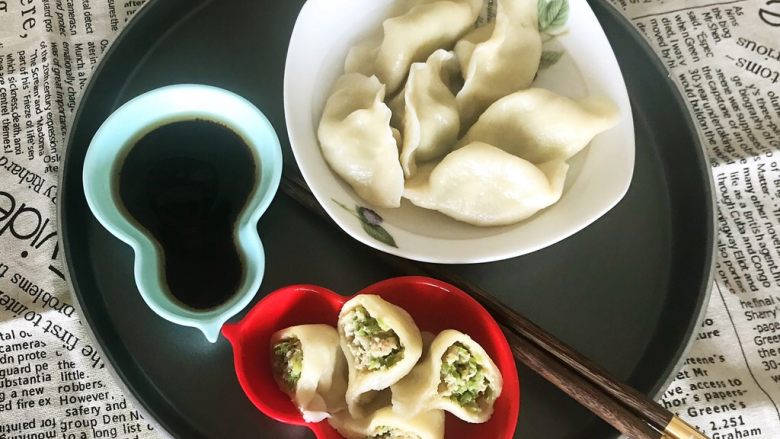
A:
(627, 291)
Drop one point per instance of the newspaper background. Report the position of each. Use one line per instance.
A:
(723, 55)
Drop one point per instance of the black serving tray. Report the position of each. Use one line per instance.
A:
(628, 291)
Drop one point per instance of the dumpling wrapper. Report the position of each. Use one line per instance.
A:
(348, 426)
(357, 141)
(499, 58)
(412, 37)
(426, 110)
(464, 48)
(428, 424)
(421, 390)
(320, 389)
(483, 185)
(424, 425)
(357, 427)
(364, 383)
(539, 125)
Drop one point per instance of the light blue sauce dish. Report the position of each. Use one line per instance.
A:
(102, 165)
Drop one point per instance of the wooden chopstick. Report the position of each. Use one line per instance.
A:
(581, 390)
(615, 402)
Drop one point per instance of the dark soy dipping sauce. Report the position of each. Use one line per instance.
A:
(185, 183)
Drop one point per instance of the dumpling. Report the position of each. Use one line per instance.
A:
(499, 58)
(309, 366)
(412, 37)
(385, 423)
(427, 110)
(482, 185)
(539, 125)
(357, 141)
(381, 343)
(456, 375)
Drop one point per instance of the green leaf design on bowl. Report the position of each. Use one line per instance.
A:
(378, 233)
(371, 223)
(549, 58)
(553, 14)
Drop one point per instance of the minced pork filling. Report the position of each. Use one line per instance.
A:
(462, 378)
(385, 432)
(372, 345)
(288, 358)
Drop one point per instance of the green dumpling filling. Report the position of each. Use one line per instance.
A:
(462, 378)
(386, 432)
(288, 360)
(373, 345)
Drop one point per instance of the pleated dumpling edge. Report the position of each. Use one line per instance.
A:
(412, 37)
(357, 141)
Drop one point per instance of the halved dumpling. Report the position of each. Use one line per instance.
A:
(456, 375)
(381, 343)
(309, 366)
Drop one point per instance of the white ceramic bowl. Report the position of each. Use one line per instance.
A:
(598, 177)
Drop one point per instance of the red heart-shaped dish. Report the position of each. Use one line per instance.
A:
(434, 305)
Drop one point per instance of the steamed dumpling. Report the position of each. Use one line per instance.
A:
(499, 58)
(483, 185)
(413, 37)
(309, 366)
(539, 125)
(357, 141)
(427, 110)
(381, 343)
(456, 375)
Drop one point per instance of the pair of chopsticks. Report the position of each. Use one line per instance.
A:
(620, 405)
